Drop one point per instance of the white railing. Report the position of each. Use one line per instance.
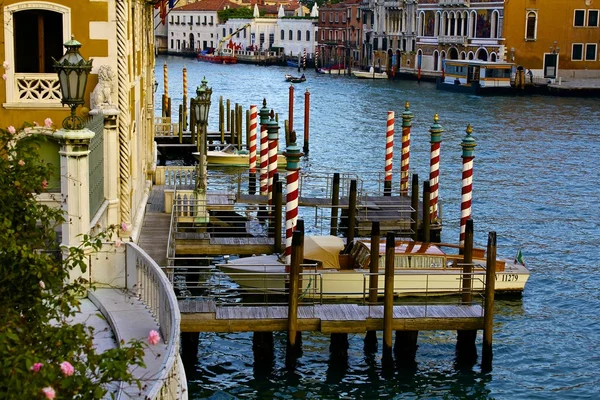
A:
(153, 288)
(37, 88)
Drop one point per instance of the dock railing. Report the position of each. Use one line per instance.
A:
(146, 279)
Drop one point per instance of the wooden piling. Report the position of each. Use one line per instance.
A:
(351, 212)
(248, 130)
(414, 204)
(388, 299)
(262, 347)
(294, 290)
(488, 313)
(164, 105)
(306, 121)
(426, 224)
(370, 342)
(405, 347)
(189, 347)
(193, 125)
(335, 200)
(228, 116)
(466, 351)
(238, 119)
(180, 124)
(231, 123)
(338, 348)
(278, 201)
(291, 107)
(169, 107)
(221, 119)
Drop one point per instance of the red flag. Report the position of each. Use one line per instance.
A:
(163, 12)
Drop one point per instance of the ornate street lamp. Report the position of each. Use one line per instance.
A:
(73, 71)
(155, 85)
(201, 106)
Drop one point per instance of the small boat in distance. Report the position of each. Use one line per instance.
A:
(230, 156)
(477, 77)
(295, 79)
(419, 269)
(370, 74)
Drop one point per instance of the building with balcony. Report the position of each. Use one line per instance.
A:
(554, 38)
(458, 29)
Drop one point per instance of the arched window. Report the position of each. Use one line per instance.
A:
(299, 35)
(531, 28)
(282, 34)
(308, 36)
(290, 35)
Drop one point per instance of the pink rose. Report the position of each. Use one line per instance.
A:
(118, 243)
(36, 367)
(49, 392)
(48, 123)
(21, 163)
(45, 184)
(35, 123)
(123, 226)
(6, 65)
(153, 337)
(66, 368)
(12, 130)
(4, 76)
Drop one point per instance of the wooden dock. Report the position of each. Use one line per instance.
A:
(206, 316)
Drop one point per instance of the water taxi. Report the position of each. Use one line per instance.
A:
(329, 272)
(477, 77)
(230, 156)
(370, 74)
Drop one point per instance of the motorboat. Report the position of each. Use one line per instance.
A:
(295, 79)
(329, 272)
(230, 156)
(370, 74)
(477, 77)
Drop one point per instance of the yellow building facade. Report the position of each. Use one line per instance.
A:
(554, 38)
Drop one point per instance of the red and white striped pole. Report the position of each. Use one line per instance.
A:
(292, 155)
(291, 109)
(405, 158)
(434, 168)
(252, 149)
(468, 154)
(264, 150)
(273, 139)
(389, 154)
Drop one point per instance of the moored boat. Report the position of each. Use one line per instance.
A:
(295, 79)
(370, 74)
(229, 156)
(477, 77)
(419, 269)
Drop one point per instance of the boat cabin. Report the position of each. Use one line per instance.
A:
(486, 74)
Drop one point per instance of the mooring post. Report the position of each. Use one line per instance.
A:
(306, 121)
(292, 155)
(388, 299)
(296, 259)
(286, 127)
(335, 200)
(468, 155)
(252, 149)
(278, 198)
(192, 119)
(488, 313)
(169, 107)
(248, 130)
(228, 115)
(273, 211)
(405, 347)
(291, 108)
(240, 114)
(466, 351)
(414, 204)
(338, 348)
(180, 124)
(189, 348)
(221, 120)
(231, 121)
(370, 342)
(184, 118)
(426, 224)
(164, 105)
(389, 154)
(351, 212)
(405, 157)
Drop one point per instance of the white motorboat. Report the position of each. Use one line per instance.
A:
(420, 269)
(370, 74)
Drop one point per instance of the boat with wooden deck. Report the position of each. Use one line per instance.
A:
(477, 77)
(230, 156)
(295, 79)
(419, 269)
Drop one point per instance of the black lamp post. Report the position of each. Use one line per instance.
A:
(155, 85)
(73, 71)
(201, 107)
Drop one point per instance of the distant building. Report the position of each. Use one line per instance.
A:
(340, 34)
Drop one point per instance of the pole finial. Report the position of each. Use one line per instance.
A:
(406, 106)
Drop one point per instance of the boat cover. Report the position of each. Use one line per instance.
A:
(325, 249)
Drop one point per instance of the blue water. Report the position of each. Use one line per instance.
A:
(535, 183)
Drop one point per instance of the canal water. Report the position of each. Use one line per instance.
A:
(536, 167)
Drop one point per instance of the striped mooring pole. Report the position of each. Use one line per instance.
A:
(291, 109)
(252, 148)
(185, 110)
(389, 154)
(273, 139)
(264, 149)
(468, 154)
(407, 117)
(434, 167)
(292, 155)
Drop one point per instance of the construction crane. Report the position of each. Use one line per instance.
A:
(219, 50)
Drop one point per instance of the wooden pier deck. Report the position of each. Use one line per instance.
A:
(206, 316)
